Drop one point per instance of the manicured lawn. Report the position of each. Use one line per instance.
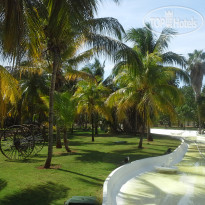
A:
(81, 173)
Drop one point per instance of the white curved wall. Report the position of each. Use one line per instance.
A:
(121, 175)
(181, 133)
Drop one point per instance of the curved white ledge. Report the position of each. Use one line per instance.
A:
(122, 174)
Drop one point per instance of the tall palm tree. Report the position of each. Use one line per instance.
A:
(96, 70)
(196, 67)
(148, 92)
(144, 84)
(68, 22)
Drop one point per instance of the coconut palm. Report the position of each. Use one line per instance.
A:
(196, 67)
(86, 31)
(145, 41)
(145, 85)
(19, 28)
(9, 92)
(95, 69)
(33, 86)
(148, 91)
(64, 111)
(90, 97)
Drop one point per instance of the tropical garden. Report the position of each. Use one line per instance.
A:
(56, 82)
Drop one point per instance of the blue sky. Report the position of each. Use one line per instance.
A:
(130, 13)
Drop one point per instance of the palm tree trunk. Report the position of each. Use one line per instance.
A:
(143, 129)
(86, 120)
(56, 65)
(96, 124)
(66, 140)
(142, 135)
(58, 138)
(199, 118)
(197, 97)
(92, 122)
(72, 129)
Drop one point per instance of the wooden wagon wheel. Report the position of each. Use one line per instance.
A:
(17, 142)
(38, 137)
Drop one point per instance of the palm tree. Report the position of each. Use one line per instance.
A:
(196, 67)
(148, 92)
(19, 28)
(96, 70)
(64, 109)
(68, 23)
(145, 41)
(90, 98)
(34, 83)
(9, 92)
(145, 85)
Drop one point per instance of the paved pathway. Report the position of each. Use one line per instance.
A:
(187, 187)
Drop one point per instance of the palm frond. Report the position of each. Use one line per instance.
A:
(108, 26)
(173, 58)
(162, 42)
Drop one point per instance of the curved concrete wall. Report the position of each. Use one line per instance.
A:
(121, 175)
(181, 133)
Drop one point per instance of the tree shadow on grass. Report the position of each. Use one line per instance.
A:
(116, 157)
(38, 195)
(28, 160)
(91, 183)
(83, 175)
(3, 184)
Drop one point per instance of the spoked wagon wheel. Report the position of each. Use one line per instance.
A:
(17, 142)
(38, 137)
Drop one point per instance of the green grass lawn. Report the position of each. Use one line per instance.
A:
(81, 173)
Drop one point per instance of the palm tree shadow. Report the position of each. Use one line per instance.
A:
(41, 195)
(3, 184)
(83, 175)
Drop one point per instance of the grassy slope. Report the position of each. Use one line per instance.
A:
(81, 173)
